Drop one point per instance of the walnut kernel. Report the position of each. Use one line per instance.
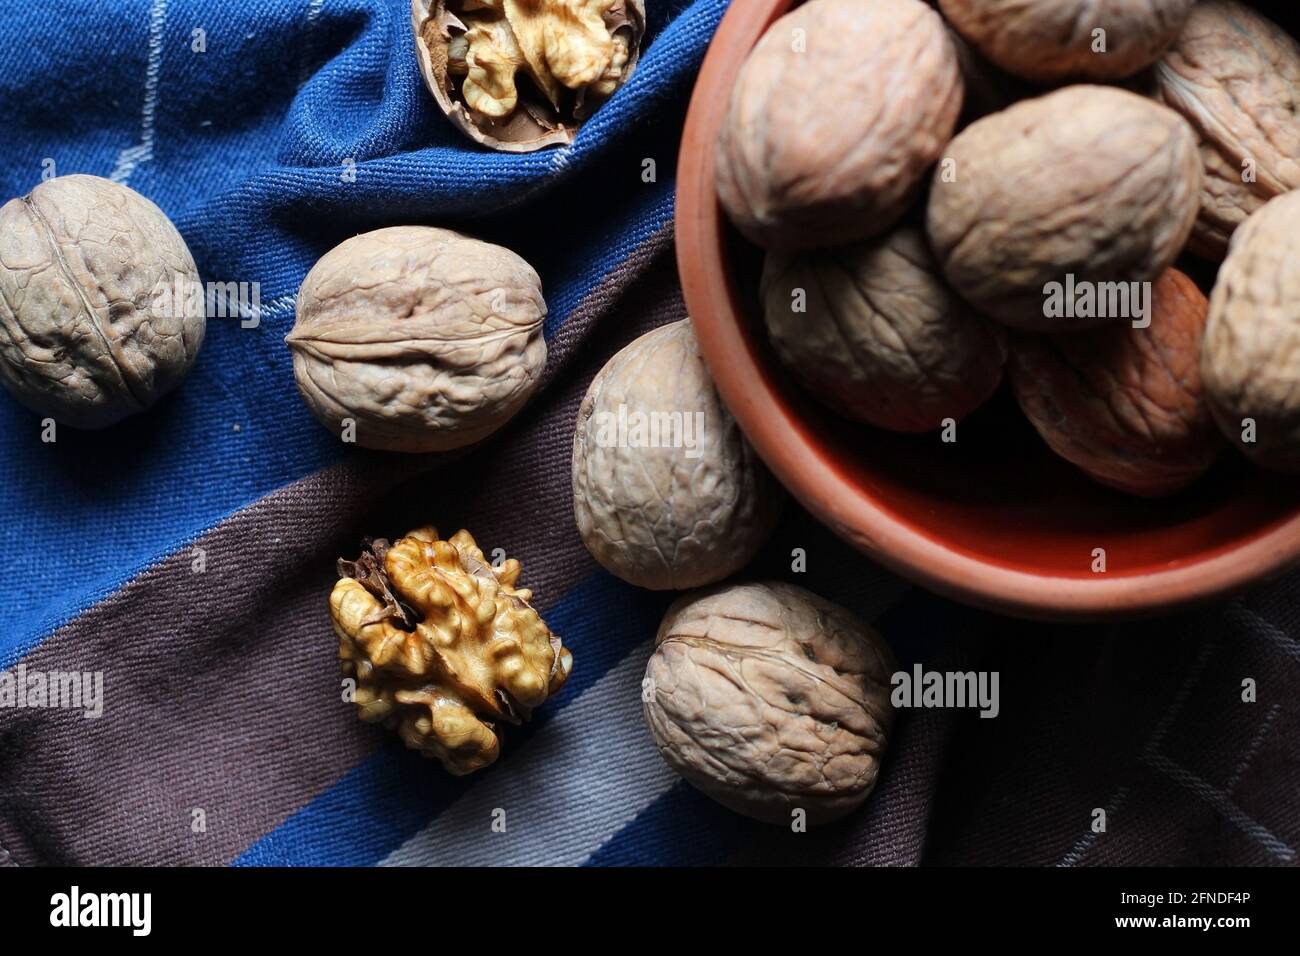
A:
(519, 75)
(442, 645)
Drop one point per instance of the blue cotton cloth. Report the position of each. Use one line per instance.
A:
(248, 147)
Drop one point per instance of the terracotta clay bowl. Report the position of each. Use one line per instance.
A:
(993, 519)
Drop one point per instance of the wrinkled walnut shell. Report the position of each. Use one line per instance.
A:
(426, 339)
(677, 504)
(98, 312)
(1251, 359)
(771, 699)
(1088, 181)
(1054, 40)
(835, 117)
(570, 57)
(443, 646)
(882, 338)
(1125, 404)
(1235, 76)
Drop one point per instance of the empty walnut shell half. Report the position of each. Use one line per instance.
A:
(443, 646)
(521, 75)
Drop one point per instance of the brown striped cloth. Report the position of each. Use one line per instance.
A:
(223, 738)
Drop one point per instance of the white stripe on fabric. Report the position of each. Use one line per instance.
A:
(577, 782)
(129, 159)
(560, 158)
(307, 42)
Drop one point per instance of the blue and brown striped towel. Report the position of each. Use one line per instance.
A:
(186, 554)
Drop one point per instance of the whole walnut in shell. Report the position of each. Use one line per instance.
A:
(834, 119)
(1125, 403)
(1235, 76)
(872, 330)
(443, 646)
(98, 319)
(1088, 182)
(519, 75)
(1053, 40)
(426, 339)
(1251, 359)
(771, 699)
(666, 491)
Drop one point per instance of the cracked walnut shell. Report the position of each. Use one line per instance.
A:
(91, 327)
(520, 75)
(443, 646)
(771, 699)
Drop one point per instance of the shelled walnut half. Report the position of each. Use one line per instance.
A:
(442, 645)
(520, 75)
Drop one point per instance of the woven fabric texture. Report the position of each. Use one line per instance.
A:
(223, 738)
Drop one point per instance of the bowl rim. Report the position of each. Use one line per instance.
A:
(713, 303)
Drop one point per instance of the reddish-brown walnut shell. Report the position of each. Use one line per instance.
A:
(1125, 404)
(1053, 40)
(1235, 76)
